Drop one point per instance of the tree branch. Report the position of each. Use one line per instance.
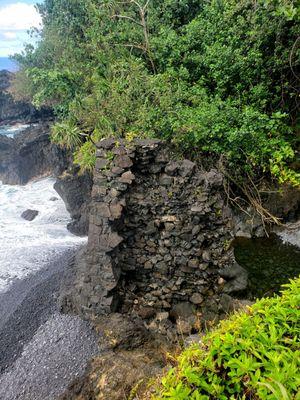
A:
(126, 17)
(136, 46)
(146, 5)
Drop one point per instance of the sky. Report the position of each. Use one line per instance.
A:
(16, 17)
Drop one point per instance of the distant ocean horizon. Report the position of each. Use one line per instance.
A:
(8, 64)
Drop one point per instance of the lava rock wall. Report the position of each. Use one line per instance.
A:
(159, 238)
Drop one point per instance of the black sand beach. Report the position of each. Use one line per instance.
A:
(41, 350)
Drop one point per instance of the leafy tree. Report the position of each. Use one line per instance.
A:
(219, 76)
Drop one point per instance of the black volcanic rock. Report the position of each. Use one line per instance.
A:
(6, 143)
(75, 190)
(10, 109)
(29, 155)
(29, 215)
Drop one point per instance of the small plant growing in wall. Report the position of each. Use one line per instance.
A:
(110, 155)
(227, 244)
(218, 212)
(86, 156)
(131, 136)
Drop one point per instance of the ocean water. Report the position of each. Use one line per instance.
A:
(11, 131)
(7, 64)
(26, 247)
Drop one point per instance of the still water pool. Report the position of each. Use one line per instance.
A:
(269, 261)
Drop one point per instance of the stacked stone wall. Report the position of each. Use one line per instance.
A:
(159, 238)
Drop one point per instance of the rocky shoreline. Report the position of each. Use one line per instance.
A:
(42, 350)
(27, 304)
(12, 111)
(157, 271)
(30, 155)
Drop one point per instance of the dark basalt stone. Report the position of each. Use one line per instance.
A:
(17, 111)
(29, 155)
(9, 109)
(237, 278)
(156, 240)
(75, 190)
(29, 215)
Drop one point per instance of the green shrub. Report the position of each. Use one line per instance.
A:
(66, 134)
(219, 76)
(255, 354)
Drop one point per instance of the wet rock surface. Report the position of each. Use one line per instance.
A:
(29, 215)
(236, 278)
(30, 155)
(75, 190)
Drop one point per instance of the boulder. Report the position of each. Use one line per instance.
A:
(182, 310)
(236, 277)
(29, 215)
(214, 178)
(196, 299)
(184, 168)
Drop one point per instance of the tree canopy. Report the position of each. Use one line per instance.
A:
(214, 76)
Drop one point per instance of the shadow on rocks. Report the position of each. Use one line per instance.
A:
(130, 357)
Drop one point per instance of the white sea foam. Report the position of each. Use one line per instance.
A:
(26, 247)
(12, 130)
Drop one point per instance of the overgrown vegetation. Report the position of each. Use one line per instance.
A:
(214, 76)
(255, 354)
